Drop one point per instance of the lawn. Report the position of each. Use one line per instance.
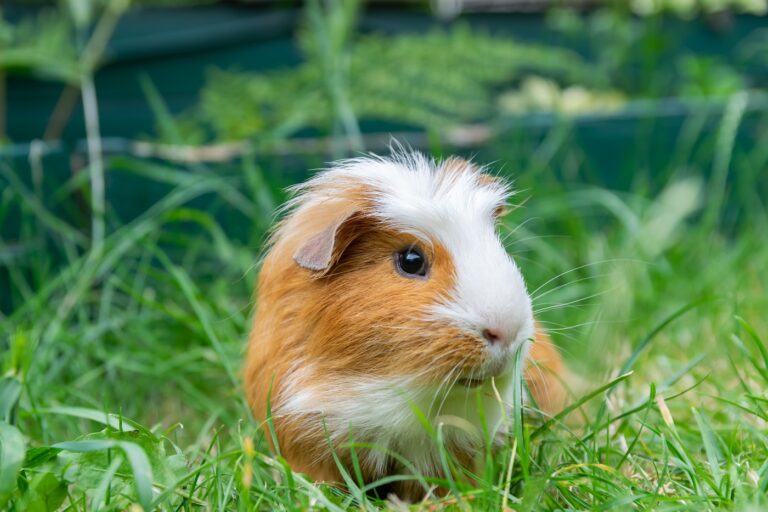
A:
(121, 379)
(121, 357)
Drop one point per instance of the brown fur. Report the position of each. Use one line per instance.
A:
(545, 373)
(342, 318)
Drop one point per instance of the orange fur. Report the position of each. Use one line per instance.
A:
(545, 374)
(303, 318)
(320, 326)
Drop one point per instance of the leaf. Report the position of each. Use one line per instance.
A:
(99, 496)
(142, 472)
(46, 492)
(167, 129)
(22, 351)
(710, 441)
(12, 447)
(39, 456)
(10, 390)
(145, 459)
(137, 459)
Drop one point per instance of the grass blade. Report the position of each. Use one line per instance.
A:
(12, 448)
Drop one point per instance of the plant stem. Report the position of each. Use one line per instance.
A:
(95, 160)
(61, 112)
(89, 60)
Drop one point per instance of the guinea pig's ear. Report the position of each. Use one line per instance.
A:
(455, 164)
(488, 181)
(458, 164)
(321, 250)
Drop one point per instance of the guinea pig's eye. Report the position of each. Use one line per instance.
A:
(411, 262)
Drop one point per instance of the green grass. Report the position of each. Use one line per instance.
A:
(121, 366)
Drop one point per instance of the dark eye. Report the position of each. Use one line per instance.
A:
(411, 262)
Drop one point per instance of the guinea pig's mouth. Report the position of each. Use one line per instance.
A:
(494, 368)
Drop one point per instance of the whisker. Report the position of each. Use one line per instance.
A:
(570, 283)
(574, 302)
(586, 265)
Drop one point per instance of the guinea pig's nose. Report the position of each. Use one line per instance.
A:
(493, 336)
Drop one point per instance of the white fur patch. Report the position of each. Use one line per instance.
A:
(381, 412)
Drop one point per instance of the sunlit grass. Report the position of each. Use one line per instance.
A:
(121, 363)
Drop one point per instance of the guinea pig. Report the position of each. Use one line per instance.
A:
(385, 291)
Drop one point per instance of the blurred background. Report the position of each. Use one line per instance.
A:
(167, 130)
(140, 135)
(145, 145)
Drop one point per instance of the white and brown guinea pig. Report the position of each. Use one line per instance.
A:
(386, 289)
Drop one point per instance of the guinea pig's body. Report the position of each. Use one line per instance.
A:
(387, 291)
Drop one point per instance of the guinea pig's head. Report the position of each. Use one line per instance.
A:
(402, 272)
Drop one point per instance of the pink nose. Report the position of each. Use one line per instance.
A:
(492, 336)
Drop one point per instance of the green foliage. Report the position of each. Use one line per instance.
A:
(240, 105)
(689, 8)
(44, 492)
(136, 457)
(440, 78)
(12, 448)
(659, 313)
(656, 297)
(630, 54)
(626, 51)
(708, 77)
(43, 46)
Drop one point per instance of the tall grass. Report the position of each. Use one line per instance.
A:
(121, 362)
(121, 366)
